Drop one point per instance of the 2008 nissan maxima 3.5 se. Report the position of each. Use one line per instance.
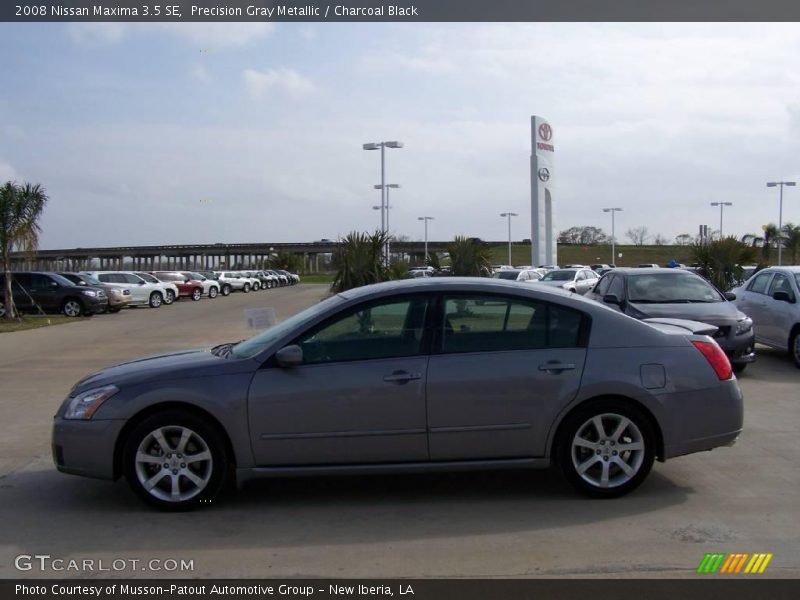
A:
(403, 376)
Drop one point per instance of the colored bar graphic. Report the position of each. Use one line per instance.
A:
(716, 562)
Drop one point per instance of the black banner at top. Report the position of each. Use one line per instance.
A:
(400, 10)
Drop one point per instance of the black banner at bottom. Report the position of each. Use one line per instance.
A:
(407, 589)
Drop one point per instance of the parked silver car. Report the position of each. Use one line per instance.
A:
(412, 375)
(518, 275)
(770, 298)
(142, 292)
(578, 281)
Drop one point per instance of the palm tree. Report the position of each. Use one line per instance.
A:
(359, 261)
(791, 239)
(771, 240)
(721, 260)
(20, 209)
(469, 257)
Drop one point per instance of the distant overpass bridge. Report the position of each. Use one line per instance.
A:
(196, 256)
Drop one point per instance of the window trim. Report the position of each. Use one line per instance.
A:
(769, 274)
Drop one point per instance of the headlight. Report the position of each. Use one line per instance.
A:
(744, 325)
(91, 293)
(84, 405)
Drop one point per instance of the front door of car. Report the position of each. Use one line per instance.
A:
(357, 398)
(44, 292)
(501, 369)
(778, 317)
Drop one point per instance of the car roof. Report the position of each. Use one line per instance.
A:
(790, 269)
(650, 271)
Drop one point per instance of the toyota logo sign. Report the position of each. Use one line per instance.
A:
(544, 174)
(545, 132)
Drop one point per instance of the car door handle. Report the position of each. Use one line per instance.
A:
(557, 366)
(402, 377)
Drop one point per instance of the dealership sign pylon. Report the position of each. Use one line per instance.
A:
(543, 232)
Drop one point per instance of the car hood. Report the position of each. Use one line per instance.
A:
(553, 283)
(711, 312)
(174, 365)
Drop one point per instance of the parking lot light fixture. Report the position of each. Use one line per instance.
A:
(780, 184)
(382, 147)
(426, 219)
(509, 215)
(722, 206)
(613, 233)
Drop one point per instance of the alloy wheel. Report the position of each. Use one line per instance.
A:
(72, 308)
(607, 450)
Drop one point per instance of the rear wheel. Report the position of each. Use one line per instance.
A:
(794, 348)
(72, 308)
(155, 300)
(606, 449)
(175, 460)
(226, 290)
(169, 297)
(2, 309)
(197, 293)
(212, 292)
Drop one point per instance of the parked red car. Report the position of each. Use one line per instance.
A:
(187, 288)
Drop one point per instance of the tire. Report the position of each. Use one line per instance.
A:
(738, 367)
(226, 290)
(155, 300)
(246, 288)
(212, 292)
(183, 484)
(169, 297)
(197, 293)
(256, 286)
(594, 450)
(114, 309)
(794, 348)
(2, 309)
(72, 308)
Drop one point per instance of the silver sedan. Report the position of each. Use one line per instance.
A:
(415, 375)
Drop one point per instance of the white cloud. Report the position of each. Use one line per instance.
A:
(7, 172)
(282, 79)
(205, 35)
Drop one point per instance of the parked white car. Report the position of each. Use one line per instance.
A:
(143, 292)
(233, 281)
(578, 281)
(255, 282)
(770, 299)
(171, 292)
(210, 287)
(518, 275)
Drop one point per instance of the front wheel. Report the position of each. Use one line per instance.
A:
(169, 298)
(246, 288)
(226, 290)
(114, 309)
(197, 293)
(794, 348)
(175, 460)
(606, 449)
(738, 367)
(72, 308)
(155, 300)
(212, 292)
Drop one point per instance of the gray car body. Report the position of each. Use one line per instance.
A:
(473, 410)
(724, 314)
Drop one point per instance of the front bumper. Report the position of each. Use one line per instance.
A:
(95, 306)
(739, 348)
(85, 447)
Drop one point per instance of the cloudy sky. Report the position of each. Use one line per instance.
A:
(198, 133)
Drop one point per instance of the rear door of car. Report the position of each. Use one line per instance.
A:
(754, 304)
(358, 397)
(20, 282)
(501, 368)
(45, 292)
(779, 316)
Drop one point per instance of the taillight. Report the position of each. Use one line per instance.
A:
(716, 358)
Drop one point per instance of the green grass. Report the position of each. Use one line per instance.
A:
(586, 255)
(317, 278)
(35, 322)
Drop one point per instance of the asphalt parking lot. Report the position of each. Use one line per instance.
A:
(499, 524)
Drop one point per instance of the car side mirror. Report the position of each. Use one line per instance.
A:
(730, 296)
(783, 296)
(289, 356)
(611, 299)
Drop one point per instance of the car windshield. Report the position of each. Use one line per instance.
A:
(669, 288)
(797, 279)
(506, 275)
(91, 280)
(258, 343)
(62, 280)
(562, 275)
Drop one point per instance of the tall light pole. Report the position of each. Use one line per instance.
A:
(780, 212)
(722, 206)
(426, 219)
(387, 186)
(613, 234)
(382, 147)
(509, 215)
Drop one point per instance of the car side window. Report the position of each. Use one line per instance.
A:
(617, 287)
(602, 286)
(580, 276)
(40, 283)
(781, 283)
(759, 283)
(382, 330)
(496, 324)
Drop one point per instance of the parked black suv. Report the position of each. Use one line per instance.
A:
(52, 293)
